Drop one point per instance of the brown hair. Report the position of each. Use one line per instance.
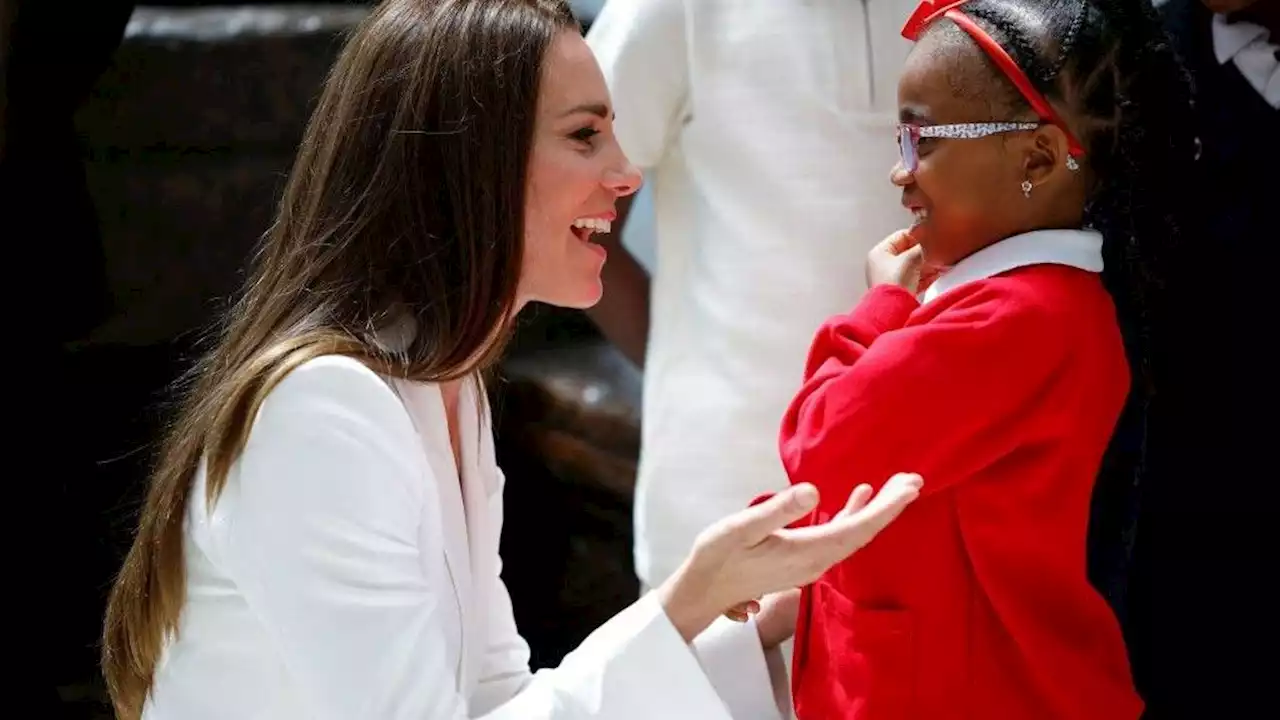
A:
(406, 200)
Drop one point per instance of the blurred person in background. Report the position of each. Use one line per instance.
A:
(767, 130)
(1202, 605)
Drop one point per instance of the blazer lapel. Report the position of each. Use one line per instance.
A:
(426, 407)
(477, 494)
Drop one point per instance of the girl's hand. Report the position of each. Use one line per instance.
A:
(897, 260)
(752, 553)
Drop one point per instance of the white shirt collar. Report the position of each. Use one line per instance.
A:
(1074, 248)
(1249, 46)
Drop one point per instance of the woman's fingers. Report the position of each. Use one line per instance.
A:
(753, 553)
(899, 492)
(857, 500)
(818, 547)
(759, 521)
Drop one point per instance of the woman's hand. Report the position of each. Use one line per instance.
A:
(752, 553)
(897, 260)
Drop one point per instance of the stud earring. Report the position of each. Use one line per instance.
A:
(1072, 165)
(1026, 188)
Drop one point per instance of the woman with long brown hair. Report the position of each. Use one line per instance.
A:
(320, 536)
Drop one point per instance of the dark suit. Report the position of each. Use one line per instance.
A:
(1203, 591)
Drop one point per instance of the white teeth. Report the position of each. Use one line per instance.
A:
(595, 225)
(921, 214)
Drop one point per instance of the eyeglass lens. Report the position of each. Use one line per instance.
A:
(907, 148)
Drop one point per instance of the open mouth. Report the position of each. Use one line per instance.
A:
(584, 228)
(920, 215)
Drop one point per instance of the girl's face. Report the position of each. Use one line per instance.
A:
(967, 193)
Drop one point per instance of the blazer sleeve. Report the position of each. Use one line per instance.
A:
(321, 534)
(943, 398)
(749, 682)
(752, 682)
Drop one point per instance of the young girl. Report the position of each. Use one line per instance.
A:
(1039, 142)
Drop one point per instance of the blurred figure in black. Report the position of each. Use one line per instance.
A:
(52, 52)
(1203, 604)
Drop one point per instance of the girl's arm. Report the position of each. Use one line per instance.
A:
(943, 399)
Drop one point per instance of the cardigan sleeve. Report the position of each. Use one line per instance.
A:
(885, 392)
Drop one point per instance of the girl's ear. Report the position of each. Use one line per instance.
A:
(1045, 154)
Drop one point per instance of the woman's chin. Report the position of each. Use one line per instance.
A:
(576, 296)
(590, 296)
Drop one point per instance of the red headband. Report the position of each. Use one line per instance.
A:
(928, 11)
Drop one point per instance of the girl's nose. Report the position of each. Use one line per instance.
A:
(899, 175)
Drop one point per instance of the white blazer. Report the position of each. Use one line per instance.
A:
(348, 573)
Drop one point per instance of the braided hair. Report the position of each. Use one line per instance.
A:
(1110, 69)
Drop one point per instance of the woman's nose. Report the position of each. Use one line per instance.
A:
(625, 179)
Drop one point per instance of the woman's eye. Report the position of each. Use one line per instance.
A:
(585, 134)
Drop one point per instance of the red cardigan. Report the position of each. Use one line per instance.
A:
(1003, 394)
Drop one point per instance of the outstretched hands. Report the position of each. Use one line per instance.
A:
(753, 553)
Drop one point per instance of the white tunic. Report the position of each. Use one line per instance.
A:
(767, 129)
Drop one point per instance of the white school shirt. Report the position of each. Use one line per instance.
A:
(767, 130)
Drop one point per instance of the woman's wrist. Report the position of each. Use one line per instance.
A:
(687, 603)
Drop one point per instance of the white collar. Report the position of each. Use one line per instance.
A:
(1229, 38)
(1251, 48)
(1074, 248)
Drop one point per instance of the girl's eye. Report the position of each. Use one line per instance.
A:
(585, 134)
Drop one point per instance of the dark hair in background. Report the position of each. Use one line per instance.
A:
(1110, 65)
(404, 209)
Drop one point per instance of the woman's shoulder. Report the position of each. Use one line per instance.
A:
(334, 388)
(329, 370)
(329, 425)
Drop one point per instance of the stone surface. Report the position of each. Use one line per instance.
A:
(189, 137)
(209, 78)
(566, 419)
